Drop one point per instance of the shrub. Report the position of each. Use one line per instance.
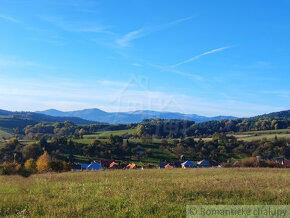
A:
(227, 165)
(43, 163)
(30, 165)
(249, 162)
(32, 150)
(269, 163)
(59, 166)
(8, 168)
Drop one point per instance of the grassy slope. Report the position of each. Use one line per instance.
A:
(276, 131)
(267, 136)
(5, 134)
(257, 135)
(125, 193)
(108, 133)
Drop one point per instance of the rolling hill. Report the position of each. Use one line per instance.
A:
(10, 120)
(129, 117)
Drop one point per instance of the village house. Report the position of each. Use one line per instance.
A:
(131, 166)
(188, 164)
(204, 163)
(115, 165)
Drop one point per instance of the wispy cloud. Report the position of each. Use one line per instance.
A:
(170, 69)
(124, 41)
(40, 94)
(137, 65)
(200, 55)
(175, 22)
(127, 38)
(77, 26)
(55, 42)
(261, 65)
(9, 18)
(189, 75)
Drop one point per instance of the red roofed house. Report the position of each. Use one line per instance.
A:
(115, 165)
(131, 166)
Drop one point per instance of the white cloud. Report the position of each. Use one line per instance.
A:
(125, 40)
(41, 94)
(170, 69)
(261, 65)
(9, 18)
(137, 65)
(84, 26)
(200, 55)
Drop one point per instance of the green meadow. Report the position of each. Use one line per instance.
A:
(4, 134)
(139, 193)
(108, 133)
(258, 135)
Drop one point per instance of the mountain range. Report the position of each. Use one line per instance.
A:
(38, 117)
(97, 115)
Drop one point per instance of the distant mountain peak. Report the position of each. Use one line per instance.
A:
(95, 114)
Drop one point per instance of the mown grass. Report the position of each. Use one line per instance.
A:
(108, 133)
(273, 131)
(258, 135)
(262, 136)
(4, 134)
(139, 193)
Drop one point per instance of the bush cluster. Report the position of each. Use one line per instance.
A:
(43, 164)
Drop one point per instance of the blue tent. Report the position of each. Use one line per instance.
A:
(204, 163)
(95, 166)
(84, 166)
(188, 164)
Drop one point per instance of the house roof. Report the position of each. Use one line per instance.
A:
(131, 165)
(114, 164)
(189, 163)
(204, 163)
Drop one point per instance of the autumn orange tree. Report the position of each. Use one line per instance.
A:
(43, 163)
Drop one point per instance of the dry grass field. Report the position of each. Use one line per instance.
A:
(139, 193)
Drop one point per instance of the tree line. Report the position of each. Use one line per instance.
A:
(161, 128)
(67, 129)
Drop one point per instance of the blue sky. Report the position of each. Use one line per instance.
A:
(204, 57)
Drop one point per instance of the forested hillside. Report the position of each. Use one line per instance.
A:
(156, 127)
(19, 120)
